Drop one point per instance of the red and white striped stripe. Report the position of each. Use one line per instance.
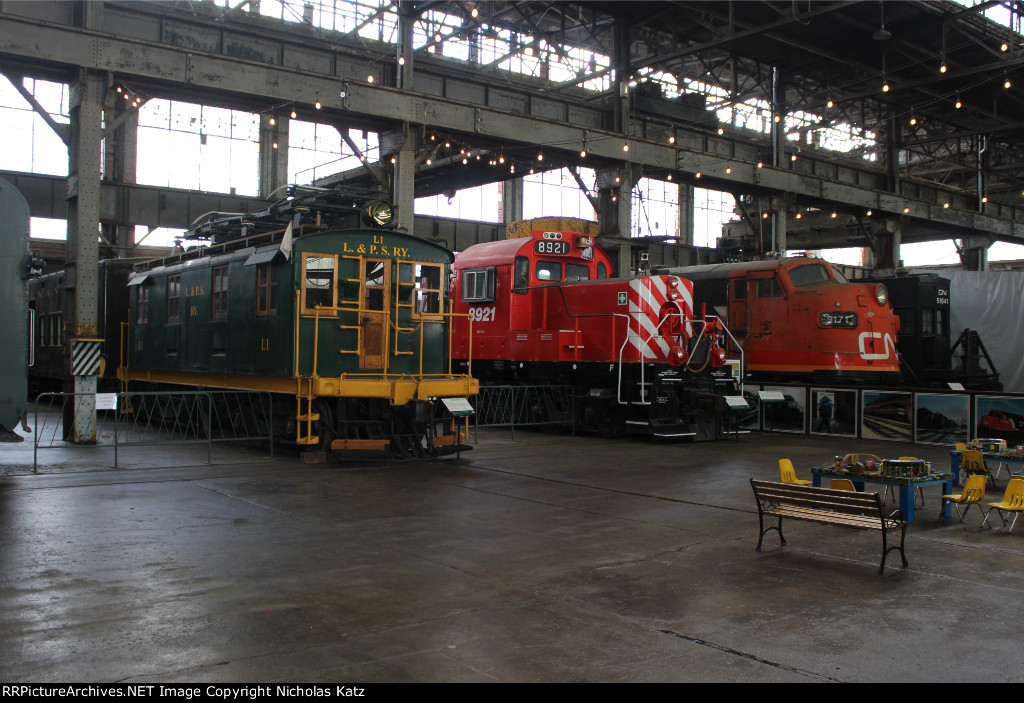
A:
(647, 297)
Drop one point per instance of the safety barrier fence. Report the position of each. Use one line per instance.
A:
(138, 419)
(512, 406)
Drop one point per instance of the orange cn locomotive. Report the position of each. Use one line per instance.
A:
(540, 309)
(801, 319)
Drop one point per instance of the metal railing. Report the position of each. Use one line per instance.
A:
(157, 418)
(512, 406)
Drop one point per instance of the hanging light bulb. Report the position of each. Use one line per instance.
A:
(672, 139)
(625, 147)
(868, 213)
(942, 68)
(945, 206)
(1004, 47)
(369, 78)
(721, 131)
(958, 104)
(317, 104)
(913, 121)
(885, 87)
(728, 170)
(670, 176)
(1006, 82)
(830, 103)
(293, 113)
(401, 60)
(583, 154)
(697, 175)
(799, 216)
(272, 121)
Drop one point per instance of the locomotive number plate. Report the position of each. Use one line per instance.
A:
(547, 247)
(838, 319)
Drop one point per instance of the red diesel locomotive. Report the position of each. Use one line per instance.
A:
(800, 319)
(541, 309)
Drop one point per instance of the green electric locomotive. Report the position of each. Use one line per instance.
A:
(350, 323)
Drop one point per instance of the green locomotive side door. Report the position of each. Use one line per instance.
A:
(376, 303)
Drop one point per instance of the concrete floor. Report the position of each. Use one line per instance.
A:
(546, 558)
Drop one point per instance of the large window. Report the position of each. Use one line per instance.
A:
(198, 147)
(30, 144)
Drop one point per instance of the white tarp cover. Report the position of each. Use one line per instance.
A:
(991, 303)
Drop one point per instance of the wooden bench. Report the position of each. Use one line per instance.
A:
(862, 511)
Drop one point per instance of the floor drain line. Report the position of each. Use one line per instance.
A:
(745, 655)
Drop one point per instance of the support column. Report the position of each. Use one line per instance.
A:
(686, 215)
(404, 175)
(615, 215)
(884, 254)
(273, 154)
(512, 200)
(82, 277)
(405, 50)
(973, 251)
(121, 138)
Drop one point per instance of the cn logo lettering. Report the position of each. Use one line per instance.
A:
(887, 343)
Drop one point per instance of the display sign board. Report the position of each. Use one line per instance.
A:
(458, 407)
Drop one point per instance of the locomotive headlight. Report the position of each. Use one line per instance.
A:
(882, 294)
(378, 213)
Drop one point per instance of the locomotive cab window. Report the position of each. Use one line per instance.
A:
(808, 275)
(739, 289)
(577, 272)
(521, 275)
(478, 285)
(319, 282)
(602, 272)
(428, 289)
(768, 288)
(549, 271)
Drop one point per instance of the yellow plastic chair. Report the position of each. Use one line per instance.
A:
(973, 494)
(972, 463)
(787, 474)
(842, 484)
(1012, 502)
